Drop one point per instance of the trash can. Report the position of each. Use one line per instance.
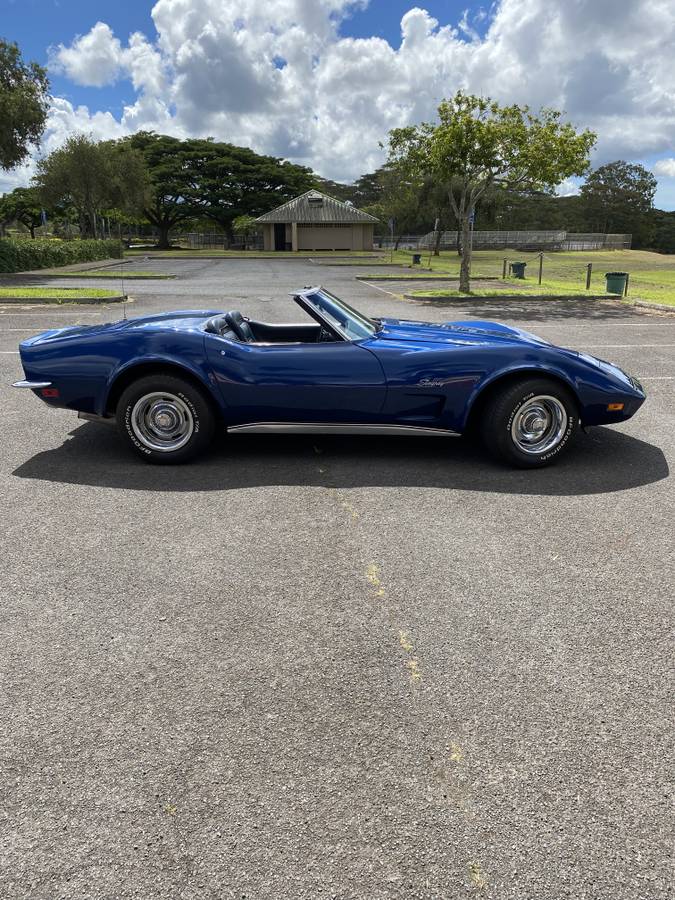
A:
(518, 269)
(616, 282)
(417, 259)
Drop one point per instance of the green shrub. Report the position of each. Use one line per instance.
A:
(21, 255)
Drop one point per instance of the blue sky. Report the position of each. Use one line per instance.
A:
(35, 24)
(38, 24)
(612, 73)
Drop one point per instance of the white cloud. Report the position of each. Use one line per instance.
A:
(63, 120)
(98, 58)
(276, 74)
(665, 167)
(93, 59)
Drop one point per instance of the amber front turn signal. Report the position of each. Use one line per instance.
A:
(614, 407)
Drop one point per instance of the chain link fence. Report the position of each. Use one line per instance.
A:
(530, 240)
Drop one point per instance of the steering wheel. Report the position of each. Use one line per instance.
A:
(325, 337)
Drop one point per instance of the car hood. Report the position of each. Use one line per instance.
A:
(472, 332)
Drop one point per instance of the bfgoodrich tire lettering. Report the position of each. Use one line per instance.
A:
(165, 418)
(530, 423)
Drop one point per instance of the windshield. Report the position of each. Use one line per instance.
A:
(348, 322)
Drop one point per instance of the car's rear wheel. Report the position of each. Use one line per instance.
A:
(530, 423)
(165, 419)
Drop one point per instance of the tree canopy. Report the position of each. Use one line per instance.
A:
(92, 177)
(477, 144)
(22, 205)
(199, 178)
(24, 101)
(618, 198)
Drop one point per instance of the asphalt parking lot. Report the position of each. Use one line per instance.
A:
(321, 667)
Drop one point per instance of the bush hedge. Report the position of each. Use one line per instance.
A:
(21, 254)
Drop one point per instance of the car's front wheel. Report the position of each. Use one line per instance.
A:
(165, 419)
(530, 423)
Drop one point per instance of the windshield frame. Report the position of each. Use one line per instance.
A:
(361, 321)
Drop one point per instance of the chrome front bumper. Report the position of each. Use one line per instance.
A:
(32, 385)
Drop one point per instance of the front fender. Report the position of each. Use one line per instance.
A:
(528, 369)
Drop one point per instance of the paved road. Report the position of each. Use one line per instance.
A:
(354, 668)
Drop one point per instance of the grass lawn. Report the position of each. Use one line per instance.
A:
(652, 275)
(37, 293)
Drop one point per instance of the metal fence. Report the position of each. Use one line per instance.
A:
(531, 240)
(404, 242)
(216, 240)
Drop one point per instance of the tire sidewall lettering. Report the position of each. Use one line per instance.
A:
(195, 414)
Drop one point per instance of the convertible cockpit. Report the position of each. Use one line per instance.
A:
(235, 327)
(334, 321)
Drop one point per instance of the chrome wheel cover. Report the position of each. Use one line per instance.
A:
(539, 425)
(162, 421)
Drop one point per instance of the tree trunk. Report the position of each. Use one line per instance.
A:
(87, 227)
(459, 242)
(163, 243)
(465, 265)
(32, 231)
(437, 247)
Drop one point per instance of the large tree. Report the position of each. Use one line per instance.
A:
(618, 198)
(170, 179)
(232, 181)
(365, 191)
(477, 144)
(402, 203)
(24, 101)
(197, 178)
(92, 177)
(663, 231)
(22, 205)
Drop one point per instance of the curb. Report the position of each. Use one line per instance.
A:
(535, 298)
(186, 255)
(414, 278)
(29, 301)
(345, 265)
(71, 267)
(647, 304)
(110, 277)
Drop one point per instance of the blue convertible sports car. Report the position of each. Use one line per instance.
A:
(170, 380)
